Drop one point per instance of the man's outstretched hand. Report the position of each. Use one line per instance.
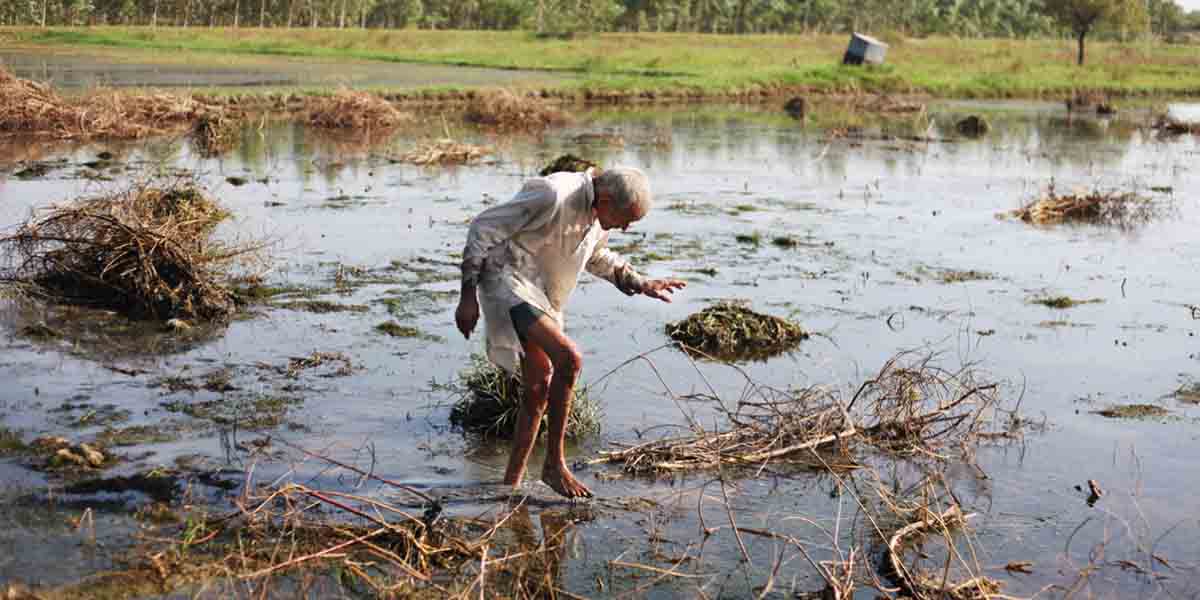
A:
(466, 316)
(662, 288)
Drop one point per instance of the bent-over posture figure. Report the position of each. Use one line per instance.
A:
(522, 260)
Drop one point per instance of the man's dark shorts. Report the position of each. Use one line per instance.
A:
(523, 316)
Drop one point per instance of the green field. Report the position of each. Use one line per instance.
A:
(665, 64)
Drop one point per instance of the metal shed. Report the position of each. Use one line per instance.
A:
(864, 49)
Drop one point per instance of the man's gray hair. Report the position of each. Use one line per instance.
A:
(629, 188)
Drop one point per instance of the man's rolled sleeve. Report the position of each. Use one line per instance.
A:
(610, 266)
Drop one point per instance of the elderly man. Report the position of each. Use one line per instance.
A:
(522, 260)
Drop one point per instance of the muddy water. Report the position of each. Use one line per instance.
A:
(882, 221)
(75, 70)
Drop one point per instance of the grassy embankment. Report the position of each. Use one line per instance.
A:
(700, 65)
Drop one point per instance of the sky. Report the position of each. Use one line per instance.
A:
(1189, 4)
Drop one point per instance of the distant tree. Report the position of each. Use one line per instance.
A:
(1083, 16)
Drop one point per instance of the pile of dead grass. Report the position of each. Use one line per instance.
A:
(489, 400)
(730, 331)
(909, 408)
(32, 108)
(1120, 209)
(146, 251)
(329, 542)
(349, 109)
(445, 152)
(508, 110)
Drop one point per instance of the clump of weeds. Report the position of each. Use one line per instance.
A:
(1063, 302)
(489, 400)
(731, 331)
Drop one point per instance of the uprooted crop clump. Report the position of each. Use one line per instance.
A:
(1120, 209)
(348, 109)
(490, 399)
(146, 251)
(569, 163)
(730, 331)
(505, 109)
(32, 108)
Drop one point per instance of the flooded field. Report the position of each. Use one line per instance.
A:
(878, 241)
(70, 70)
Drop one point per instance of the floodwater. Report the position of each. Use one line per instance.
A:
(73, 70)
(880, 221)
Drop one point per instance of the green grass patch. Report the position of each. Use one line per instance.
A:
(653, 63)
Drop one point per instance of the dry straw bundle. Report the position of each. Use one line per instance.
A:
(146, 251)
(348, 109)
(508, 110)
(445, 152)
(31, 108)
(907, 409)
(730, 331)
(329, 542)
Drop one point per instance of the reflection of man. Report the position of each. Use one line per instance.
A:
(548, 555)
(523, 258)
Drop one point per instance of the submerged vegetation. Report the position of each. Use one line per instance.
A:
(730, 331)
(146, 251)
(489, 400)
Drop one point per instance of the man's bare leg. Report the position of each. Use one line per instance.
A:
(535, 381)
(566, 362)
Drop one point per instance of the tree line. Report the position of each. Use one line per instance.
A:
(966, 18)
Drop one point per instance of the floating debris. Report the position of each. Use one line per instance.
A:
(445, 152)
(1063, 302)
(1133, 411)
(1122, 209)
(490, 398)
(732, 332)
(147, 252)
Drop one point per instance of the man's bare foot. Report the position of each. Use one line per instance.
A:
(560, 480)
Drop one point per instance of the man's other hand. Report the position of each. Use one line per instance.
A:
(467, 315)
(662, 288)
